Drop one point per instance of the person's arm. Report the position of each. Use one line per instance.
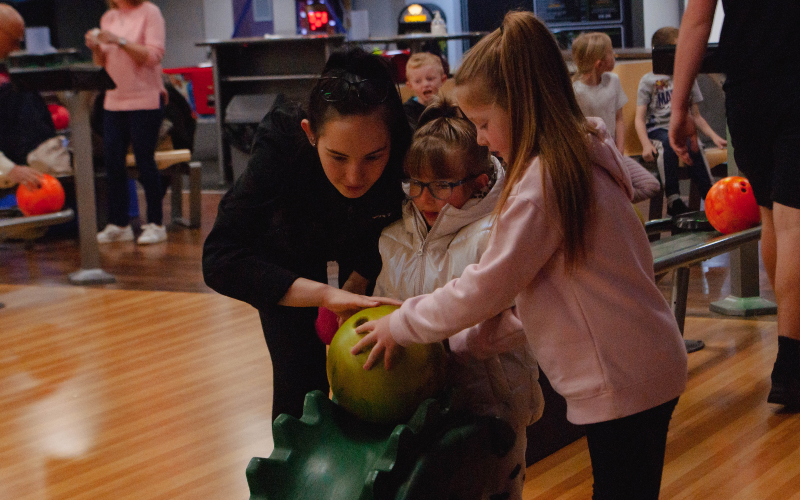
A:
(704, 127)
(692, 40)
(648, 150)
(619, 130)
(483, 290)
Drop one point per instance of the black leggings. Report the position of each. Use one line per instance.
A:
(298, 357)
(628, 454)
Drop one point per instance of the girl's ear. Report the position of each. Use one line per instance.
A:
(306, 126)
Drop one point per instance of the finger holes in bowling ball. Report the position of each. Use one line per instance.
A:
(360, 321)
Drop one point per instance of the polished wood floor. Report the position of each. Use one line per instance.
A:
(154, 387)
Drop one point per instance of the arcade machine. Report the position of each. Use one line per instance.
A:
(319, 17)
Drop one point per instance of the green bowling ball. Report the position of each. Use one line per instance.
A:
(378, 395)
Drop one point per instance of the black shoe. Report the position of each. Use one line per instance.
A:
(786, 374)
(785, 391)
(677, 207)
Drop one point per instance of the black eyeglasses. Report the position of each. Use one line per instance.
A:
(441, 190)
(335, 89)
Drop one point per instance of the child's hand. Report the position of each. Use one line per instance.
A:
(384, 344)
(649, 152)
(25, 175)
(720, 142)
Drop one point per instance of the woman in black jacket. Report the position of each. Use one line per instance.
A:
(319, 187)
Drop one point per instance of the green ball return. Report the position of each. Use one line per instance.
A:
(329, 454)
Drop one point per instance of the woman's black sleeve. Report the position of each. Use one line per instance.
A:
(235, 264)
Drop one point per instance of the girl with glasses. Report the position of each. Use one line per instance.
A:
(453, 185)
(321, 184)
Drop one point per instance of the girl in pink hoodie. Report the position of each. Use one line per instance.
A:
(570, 252)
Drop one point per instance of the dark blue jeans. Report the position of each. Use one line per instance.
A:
(139, 128)
(697, 171)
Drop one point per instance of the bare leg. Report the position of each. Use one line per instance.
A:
(768, 245)
(784, 238)
(787, 269)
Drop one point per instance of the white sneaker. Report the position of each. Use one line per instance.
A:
(112, 232)
(152, 233)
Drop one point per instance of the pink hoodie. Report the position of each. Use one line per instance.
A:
(138, 87)
(603, 334)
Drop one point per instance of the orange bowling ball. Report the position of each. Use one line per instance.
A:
(47, 198)
(731, 205)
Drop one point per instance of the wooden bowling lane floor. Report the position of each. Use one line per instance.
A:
(725, 441)
(129, 394)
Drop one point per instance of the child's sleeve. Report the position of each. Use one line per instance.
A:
(645, 185)
(622, 98)
(502, 333)
(645, 92)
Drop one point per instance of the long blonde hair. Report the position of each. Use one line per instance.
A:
(587, 49)
(519, 68)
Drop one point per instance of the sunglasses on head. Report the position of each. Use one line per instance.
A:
(335, 89)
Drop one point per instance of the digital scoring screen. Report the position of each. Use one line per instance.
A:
(578, 11)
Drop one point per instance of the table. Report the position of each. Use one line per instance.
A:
(79, 83)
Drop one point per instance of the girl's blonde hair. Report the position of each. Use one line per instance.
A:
(446, 145)
(587, 49)
(519, 68)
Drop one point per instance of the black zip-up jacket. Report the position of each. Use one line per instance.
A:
(283, 219)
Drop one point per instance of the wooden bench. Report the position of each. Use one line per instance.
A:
(177, 164)
(678, 252)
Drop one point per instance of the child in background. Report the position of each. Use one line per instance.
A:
(425, 76)
(453, 186)
(598, 91)
(569, 251)
(653, 111)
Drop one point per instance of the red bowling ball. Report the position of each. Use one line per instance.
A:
(47, 198)
(731, 205)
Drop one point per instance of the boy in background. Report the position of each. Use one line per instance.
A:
(653, 111)
(425, 76)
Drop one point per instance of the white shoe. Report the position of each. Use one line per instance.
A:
(112, 232)
(152, 233)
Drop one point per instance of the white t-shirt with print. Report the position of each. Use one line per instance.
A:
(655, 92)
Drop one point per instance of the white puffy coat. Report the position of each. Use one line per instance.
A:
(498, 369)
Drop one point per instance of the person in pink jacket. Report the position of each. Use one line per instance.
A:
(130, 45)
(570, 252)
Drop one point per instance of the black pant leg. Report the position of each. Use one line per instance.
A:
(298, 357)
(627, 454)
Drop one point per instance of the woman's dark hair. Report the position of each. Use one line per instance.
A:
(355, 65)
(443, 132)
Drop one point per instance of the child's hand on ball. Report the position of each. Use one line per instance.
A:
(380, 337)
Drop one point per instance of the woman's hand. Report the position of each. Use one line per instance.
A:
(345, 304)
(91, 38)
(380, 337)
